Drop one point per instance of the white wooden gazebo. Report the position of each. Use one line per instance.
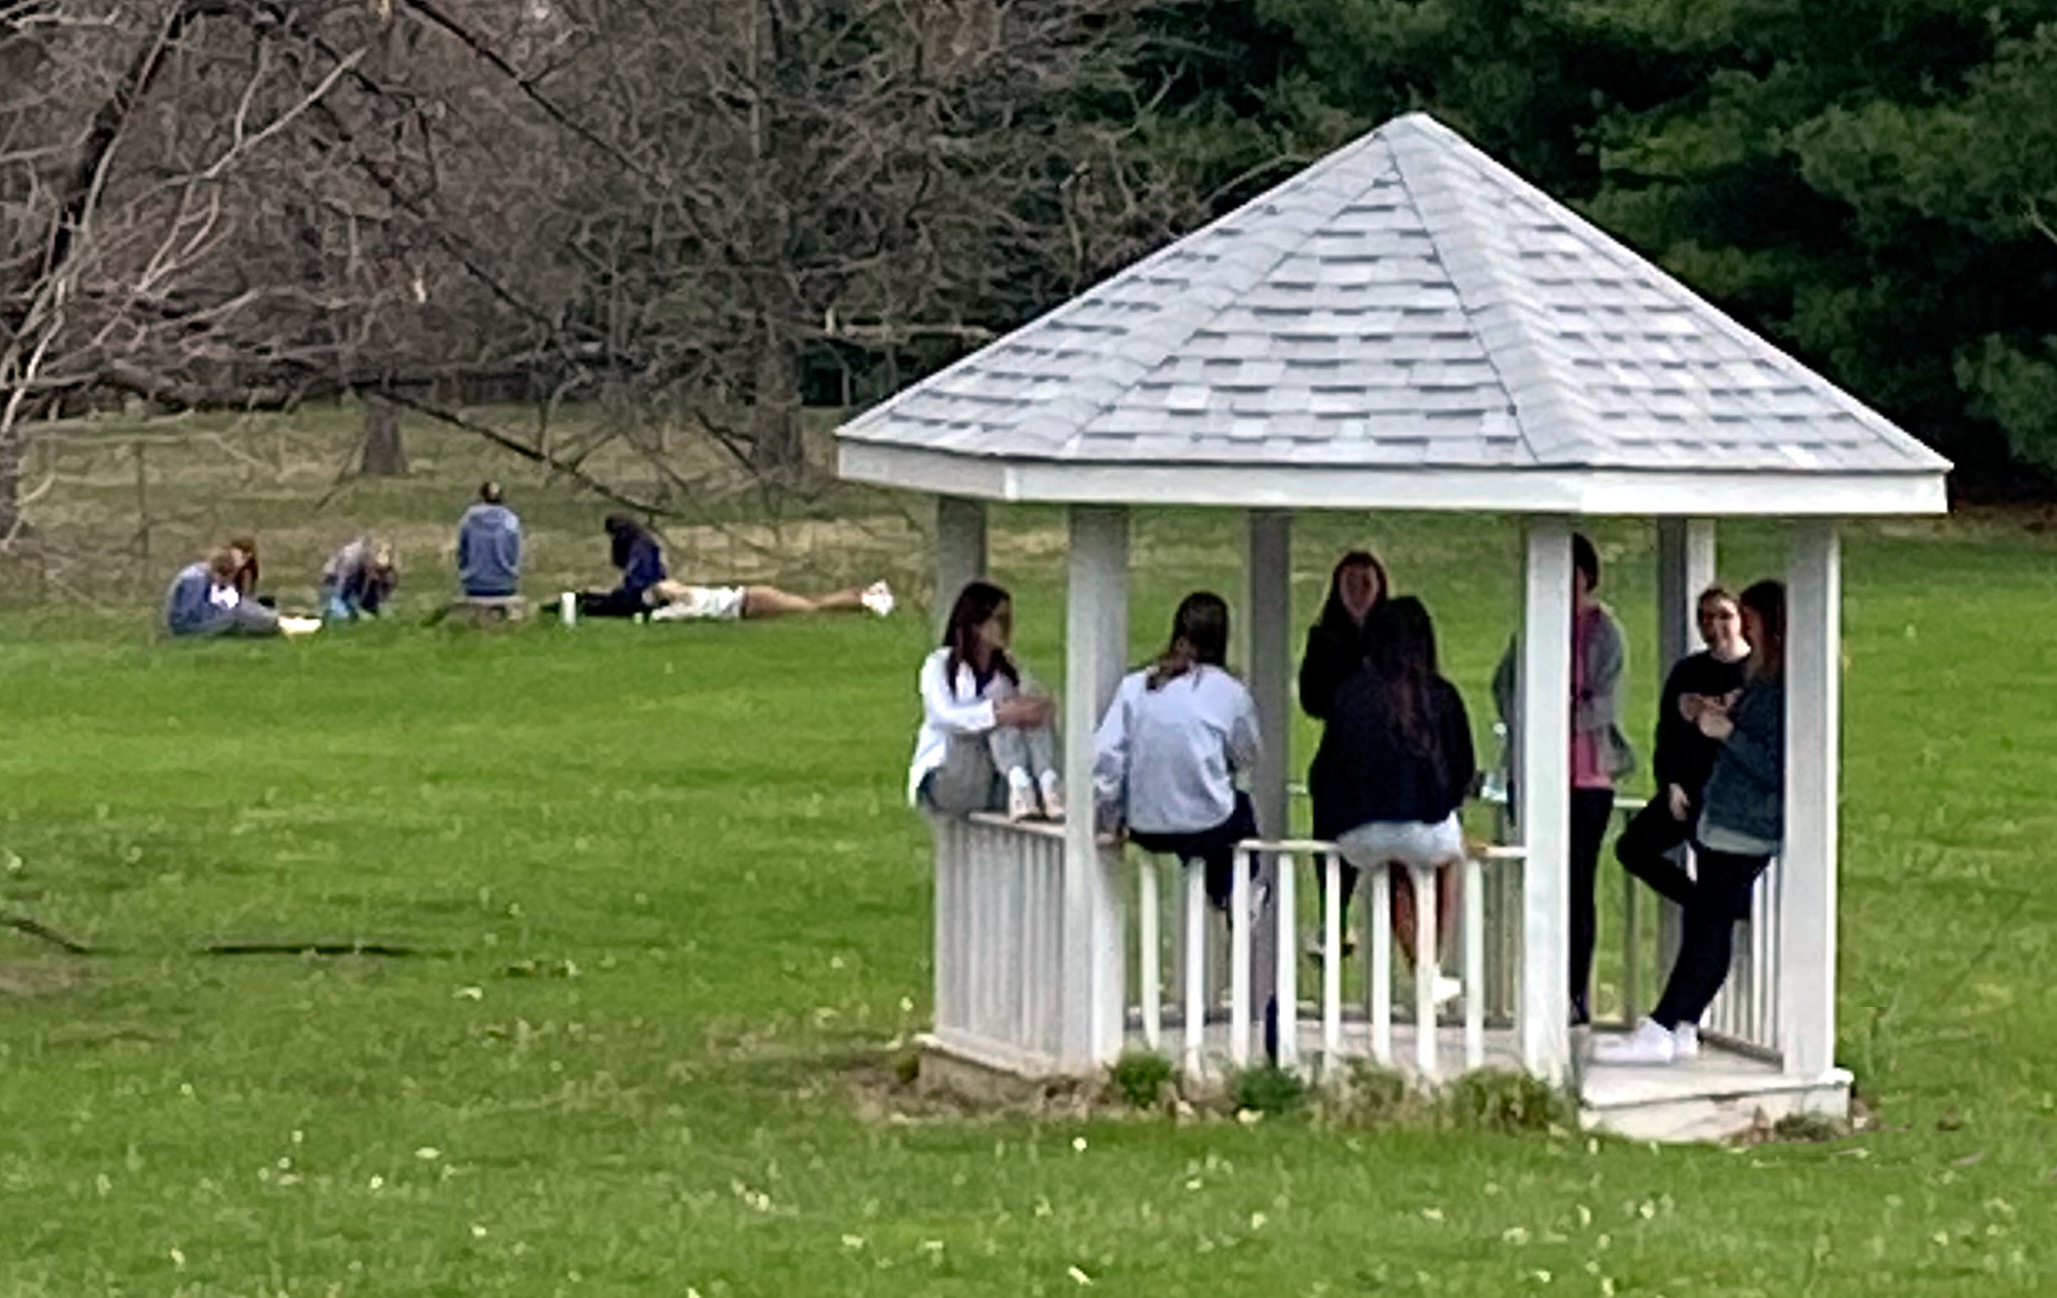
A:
(1404, 325)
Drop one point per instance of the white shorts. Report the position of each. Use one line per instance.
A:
(702, 604)
(1410, 842)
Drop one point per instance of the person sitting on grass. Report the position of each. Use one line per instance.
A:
(985, 740)
(242, 549)
(1394, 769)
(1173, 743)
(203, 602)
(358, 580)
(489, 547)
(1739, 831)
(647, 589)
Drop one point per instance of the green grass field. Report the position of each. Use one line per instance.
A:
(671, 915)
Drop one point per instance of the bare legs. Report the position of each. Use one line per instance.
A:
(769, 601)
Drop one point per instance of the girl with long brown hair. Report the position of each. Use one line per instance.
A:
(1395, 766)
(985, 739)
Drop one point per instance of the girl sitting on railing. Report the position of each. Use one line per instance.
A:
(985, 740)
(1337, 645)
(1737, 835)
(1174, 739)
(1394, 768)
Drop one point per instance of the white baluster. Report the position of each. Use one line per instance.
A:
(1631, 950)
(1287, 994)
(1239, 964)
(1378, 934)
(1331, 962)
(1196, 969)
(1474, 965)
(1425, 970)
(1152, 977)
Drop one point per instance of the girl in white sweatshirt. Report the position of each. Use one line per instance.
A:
(1172, 745)
(985, 740)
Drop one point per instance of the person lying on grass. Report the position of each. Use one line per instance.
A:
(985, 739)
(647, 589)
(203, 601)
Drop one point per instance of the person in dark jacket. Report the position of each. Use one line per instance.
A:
(634, 551)
(1337, 644)
(1684, 757)
(1739, 831)
(1395, 766)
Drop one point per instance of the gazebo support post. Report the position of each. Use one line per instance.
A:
(1807, 922)
(1686, 565)
(960, 550)
(1096, 650)
(1544, 799)
(1267, 633)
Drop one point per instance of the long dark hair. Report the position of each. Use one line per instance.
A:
(975, 606)
(623, 532)
(1767, 599)
(1334, 616)
(1199, 638)
(1403, 662)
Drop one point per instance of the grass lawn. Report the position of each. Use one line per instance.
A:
(706, 824)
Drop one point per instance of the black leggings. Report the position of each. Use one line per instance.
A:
(612, 603)
(1720, 897)
(1646, 844)
(1591, 809)
(1215, 848)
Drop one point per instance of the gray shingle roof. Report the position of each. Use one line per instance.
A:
(1405, 302)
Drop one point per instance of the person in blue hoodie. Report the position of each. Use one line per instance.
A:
(489, 547)
(203, 602)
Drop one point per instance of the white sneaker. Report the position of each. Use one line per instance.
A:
(878, 597)
(1685, 1040)
(1021, 801)
(1052, 790)
(1448, 989)
(1648, 1045)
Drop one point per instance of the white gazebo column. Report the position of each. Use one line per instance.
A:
(1544, 799)
(960, 550)
(1096, 649)
(1686, 565)
(1806, 978)
(1267, 619)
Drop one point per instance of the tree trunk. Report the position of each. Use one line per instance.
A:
(10, 479)
(777, 450)
(385, 455)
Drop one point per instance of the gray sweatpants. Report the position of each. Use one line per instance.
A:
(974, 770)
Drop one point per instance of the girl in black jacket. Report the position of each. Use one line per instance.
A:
(1337, 645)
(1396, 764)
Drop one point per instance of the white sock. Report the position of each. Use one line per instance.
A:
(1018, 778)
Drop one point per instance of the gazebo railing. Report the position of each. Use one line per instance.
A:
(999, 956)
(1357, 1022)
